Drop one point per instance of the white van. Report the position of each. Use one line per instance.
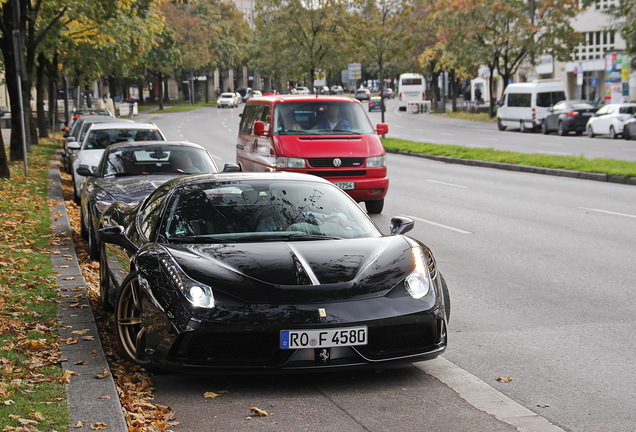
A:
(411, 88)
(525, 105)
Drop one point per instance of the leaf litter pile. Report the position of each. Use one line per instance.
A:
(133, 383)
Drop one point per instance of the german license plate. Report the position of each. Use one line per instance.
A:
(326, 338)
(345, 185)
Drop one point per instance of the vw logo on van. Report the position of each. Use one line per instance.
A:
(337, 162)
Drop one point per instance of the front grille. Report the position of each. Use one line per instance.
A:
(343, 173)
(399, 340)
(241, 349)
(328, 162)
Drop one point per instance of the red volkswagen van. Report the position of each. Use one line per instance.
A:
(327, 136)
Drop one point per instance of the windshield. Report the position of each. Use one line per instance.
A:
(321, 118)
(100, 139)
(157, 160)
(264, 211)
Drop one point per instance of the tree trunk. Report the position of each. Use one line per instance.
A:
(4, 163)
(160, 86)
(42, 121)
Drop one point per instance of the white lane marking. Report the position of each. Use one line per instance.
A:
(446, 184)
(609, 212)
(447, 134)
(484, 397)
(461, 231)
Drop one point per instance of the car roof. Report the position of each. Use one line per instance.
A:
(302, 98)
(141, 144)
(123, 125)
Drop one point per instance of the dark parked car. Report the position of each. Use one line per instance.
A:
(568, 116)
(629, 129)
(267, 271)
(375, 104)
(129, 172)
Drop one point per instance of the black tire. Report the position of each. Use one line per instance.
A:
(544, 128)
(129, 328)
(590, 132)
(579, 132)
(104, 281)
(562, 130)
(446, 295)
(83, 229)
(613, 134)
(500, 126)
(626, 134)
(76, 197)
(93, 242)
(374, 207)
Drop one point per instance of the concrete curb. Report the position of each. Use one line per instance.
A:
(91, 399)
(525, 168)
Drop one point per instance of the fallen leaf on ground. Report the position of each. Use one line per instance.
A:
(259, 412)
(504, 380)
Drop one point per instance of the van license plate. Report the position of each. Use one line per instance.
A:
(345, 185)
(326, 338)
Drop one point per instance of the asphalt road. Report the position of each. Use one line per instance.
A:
(540, 271)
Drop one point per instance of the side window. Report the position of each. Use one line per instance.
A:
(519, 99)
(251, 114)
(265, 116)
(151, 212)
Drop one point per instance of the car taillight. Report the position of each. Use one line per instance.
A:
(534, 114)
(572, 113)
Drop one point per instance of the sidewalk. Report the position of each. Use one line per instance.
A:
(92, 398)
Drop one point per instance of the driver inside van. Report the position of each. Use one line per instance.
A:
(332, 119)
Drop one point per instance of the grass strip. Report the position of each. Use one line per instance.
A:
(575, 163)
(32, 389)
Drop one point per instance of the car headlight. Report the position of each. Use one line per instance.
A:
(200, 295)
(376, 161)
(102, 206)
(289, 162)
(418, 283)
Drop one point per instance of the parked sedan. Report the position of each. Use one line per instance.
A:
(568, 116)
(130, 171)
(629, 128)
(89, 152)
(609, 119)
(189, 273)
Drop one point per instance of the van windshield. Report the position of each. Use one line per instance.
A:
(321, 118)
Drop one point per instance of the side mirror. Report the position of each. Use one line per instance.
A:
(115, 235)
(73, 145)
(231, 167)
(401, 225)
(382, 129)
(259, 128)
(84, 171)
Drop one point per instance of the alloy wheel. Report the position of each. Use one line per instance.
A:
(128, 322)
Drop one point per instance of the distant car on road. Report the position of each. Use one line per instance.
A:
(227, 100)
(609, 119)
(337, 90)
(568, 116)
(375, 104)
(388, 93)
(363, 94)
(301, 91)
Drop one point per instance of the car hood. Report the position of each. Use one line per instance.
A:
(131, 189)
(299, 271)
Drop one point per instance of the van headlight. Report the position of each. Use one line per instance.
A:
(289, 162)
(418, 283)
(376, 161)
(198, 294)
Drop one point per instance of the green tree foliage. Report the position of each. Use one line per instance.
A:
(309, 35)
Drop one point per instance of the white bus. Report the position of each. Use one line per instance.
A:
(411, 88)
